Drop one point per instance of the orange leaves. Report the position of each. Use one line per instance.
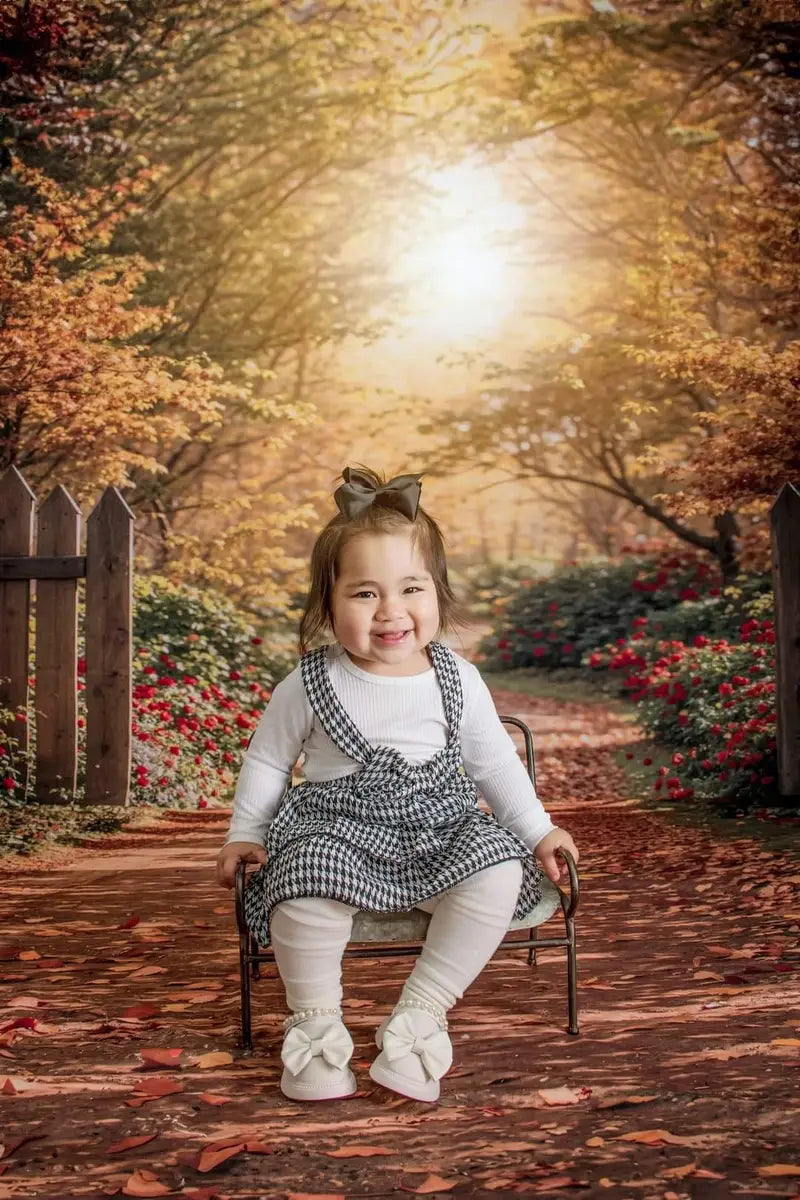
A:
(144, 1184)
(152, 1089)
(78, 387)
(433, 1184)
(158, 1058)
(556, 1097)
(661, 1137)
(359, 1152)
(131, 1143)
(215, 1058)
(215, 1153)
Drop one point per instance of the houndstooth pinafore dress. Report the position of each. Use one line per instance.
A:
(391, 834)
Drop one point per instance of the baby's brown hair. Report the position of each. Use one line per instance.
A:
(317, 615)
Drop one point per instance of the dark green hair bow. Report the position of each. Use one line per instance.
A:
(359, 492)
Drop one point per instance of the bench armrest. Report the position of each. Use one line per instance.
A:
(574, 883)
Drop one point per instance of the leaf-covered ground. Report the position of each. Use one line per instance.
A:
(119, 1073)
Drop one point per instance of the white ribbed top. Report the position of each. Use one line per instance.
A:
(404, 712)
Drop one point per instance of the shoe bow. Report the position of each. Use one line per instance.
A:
(335, 1047)
(401, 1038)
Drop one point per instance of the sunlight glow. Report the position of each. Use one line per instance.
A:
(460, 265)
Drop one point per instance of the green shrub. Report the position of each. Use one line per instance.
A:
(558, 621)
(483, 585)
(203, 630)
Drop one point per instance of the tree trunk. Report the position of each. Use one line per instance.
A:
(726, 545)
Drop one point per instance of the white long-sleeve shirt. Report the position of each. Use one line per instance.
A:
(404, 712)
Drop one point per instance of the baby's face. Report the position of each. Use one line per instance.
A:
(385, 607)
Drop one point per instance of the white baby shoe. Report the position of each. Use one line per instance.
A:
(415, 1050)
(316, 1050)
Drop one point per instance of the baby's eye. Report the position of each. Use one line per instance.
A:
(412, 587)
(363, 595)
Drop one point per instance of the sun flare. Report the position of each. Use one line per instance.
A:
(459, 267)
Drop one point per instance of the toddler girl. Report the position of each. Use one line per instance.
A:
(397, 731)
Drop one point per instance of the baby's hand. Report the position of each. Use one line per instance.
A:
(232, 854)
(545, 852)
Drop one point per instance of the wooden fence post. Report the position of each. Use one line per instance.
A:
(109, 609)
(17, 503)
(57, 653)
(785, 527)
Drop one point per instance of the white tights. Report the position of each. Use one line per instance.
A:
(469, 921)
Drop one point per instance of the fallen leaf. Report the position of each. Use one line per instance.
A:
(28, 955)
(208, 1159)
(678, 1172)
(26, 1002)
(777, 1169)
(434, 1183)
(8, 1149)
(158, 1058)
(143, 971)
(144, 1183)
(140, 1010)
(130, 1143)
(212, 1098)
(657, 1137)
(359, 1152)
(315, 1196)
(563, 1095)
(620, 1101)
(130, 923)
(215, 1058)
(152, 1089)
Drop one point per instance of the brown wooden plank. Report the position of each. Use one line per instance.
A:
(17, 503)
(71, 566)
(109, 638)
(59, 531)
(785, 525)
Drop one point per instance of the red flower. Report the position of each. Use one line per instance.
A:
(256, 641)
(9, 784)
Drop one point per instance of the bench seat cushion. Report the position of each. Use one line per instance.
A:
(412, 926)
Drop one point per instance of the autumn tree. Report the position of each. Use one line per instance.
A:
(655, 129)
(280, 143)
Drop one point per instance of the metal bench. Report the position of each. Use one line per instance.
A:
(393, 935)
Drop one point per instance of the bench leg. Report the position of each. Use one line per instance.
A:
(532, 950)
(572, 977)
(246, 1042)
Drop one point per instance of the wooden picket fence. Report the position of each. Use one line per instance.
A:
(44, 548)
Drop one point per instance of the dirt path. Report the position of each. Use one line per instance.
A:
(681, 1083)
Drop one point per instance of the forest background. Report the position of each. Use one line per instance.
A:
(544, 252)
